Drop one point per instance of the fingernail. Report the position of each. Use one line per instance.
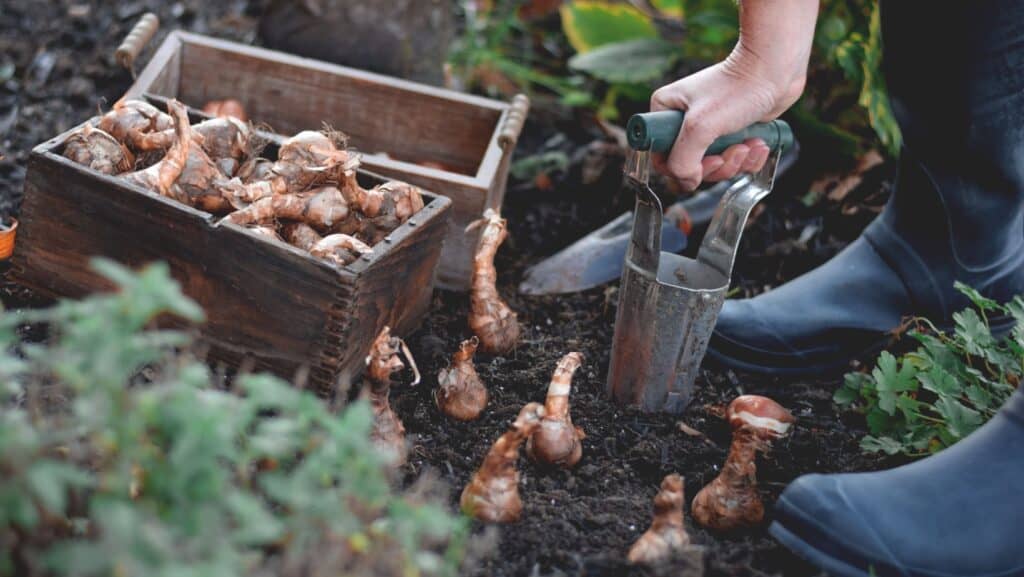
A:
(714, 164)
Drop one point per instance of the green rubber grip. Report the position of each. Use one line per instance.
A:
(657, 132)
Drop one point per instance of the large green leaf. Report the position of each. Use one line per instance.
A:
(632, 61)
(891, 379)
(592, 23)
(972, 332)
(960, 419)
(940, 381)
(887, 445)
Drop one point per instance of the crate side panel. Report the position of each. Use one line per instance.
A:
(396, 290)
(377, 116)
(265, 302)
(468, 204)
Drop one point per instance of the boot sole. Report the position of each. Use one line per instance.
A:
(1000, 327)
(831, 368)
(832, 565)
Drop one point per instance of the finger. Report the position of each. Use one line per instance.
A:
(734, 157)
(756, 160)
(710, 164)
(684, 162)
(759, 152)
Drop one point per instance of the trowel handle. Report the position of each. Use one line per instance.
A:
(657, 132)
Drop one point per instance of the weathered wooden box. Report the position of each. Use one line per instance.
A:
(264, 299)
(448, 142)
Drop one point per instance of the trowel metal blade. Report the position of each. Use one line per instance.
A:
(596, 259)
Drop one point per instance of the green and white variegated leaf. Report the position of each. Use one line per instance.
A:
(632, 61)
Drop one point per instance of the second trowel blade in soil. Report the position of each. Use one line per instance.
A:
(592, 261)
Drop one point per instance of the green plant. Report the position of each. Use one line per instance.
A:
(622, 46)
(849, 38)
(632, 51)
(119, 457)
(496, 53)
(940, 393)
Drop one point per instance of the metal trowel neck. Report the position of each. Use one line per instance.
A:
(645, 240)
(638, 165)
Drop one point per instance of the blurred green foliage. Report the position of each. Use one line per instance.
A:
(119, 457)
(625, 50)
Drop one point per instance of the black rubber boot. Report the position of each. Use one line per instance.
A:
(955, 72)
(956, 514)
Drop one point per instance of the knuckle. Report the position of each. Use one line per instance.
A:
(696, 127)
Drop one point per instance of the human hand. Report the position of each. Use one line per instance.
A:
(762, 77)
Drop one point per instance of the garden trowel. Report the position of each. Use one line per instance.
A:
(597, 258)
(668, 304)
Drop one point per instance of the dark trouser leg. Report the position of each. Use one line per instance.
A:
(956, 77)
(955, 72)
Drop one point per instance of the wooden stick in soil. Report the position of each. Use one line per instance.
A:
(557, 441)
(460, 393)
(493, 493)
(388, 432)
(731, 501)
(667, 535)
(491, 320)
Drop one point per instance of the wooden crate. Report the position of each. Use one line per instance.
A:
(264, 299)
(396, 124)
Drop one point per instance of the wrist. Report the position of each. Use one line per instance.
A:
(774, 46)
(781, 79)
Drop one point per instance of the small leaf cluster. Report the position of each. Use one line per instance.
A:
(952, 384)
(119, 457)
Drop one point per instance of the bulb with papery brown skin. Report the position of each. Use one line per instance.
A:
(340, 249)
(255, 169)
(133, 122)
(321, 208)
(387, 206)
(388, 432)
(98, 150)
(301, 235)
(314, 149)
(493, 493)
(227, 141)
(307, 160)
(557, 441)
(667, 535)
(460, 393)
(186, 173)
(732, 501)
(490, 318)
(162, 176)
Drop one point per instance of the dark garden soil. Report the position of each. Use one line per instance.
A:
(56, 68)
